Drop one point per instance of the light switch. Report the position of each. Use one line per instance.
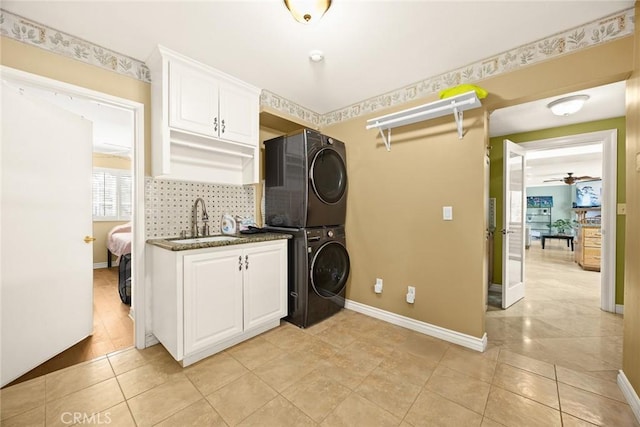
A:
(447, 213)
(622, 208)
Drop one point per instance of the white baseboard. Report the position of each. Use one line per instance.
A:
(619, 309)
(629, 393)
(478, 344)
(97, 265)
(495, 288)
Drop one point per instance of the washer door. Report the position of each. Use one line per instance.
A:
(330, 269)
(328, 176)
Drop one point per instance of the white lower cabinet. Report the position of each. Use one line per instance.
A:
(206, 300)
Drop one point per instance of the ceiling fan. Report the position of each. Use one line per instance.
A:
(570, 179)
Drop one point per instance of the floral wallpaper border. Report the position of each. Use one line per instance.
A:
(603, 30)
(33, 33)
(283, 105)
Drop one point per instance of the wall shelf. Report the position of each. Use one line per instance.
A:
(454, 105)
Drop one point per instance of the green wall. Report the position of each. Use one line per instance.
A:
(495, 188)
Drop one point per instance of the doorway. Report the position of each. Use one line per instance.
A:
(18, 79)
(608, 140)
(603, 111)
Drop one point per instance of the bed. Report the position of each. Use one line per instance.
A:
(118, 241)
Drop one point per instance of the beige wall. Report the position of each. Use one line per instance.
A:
(395, 229)
(394, 218)
(631, 343)
(102, 228)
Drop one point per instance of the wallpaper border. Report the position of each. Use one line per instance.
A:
(56, 41)
(594, 33)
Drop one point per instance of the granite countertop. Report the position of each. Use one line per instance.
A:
(170, 244)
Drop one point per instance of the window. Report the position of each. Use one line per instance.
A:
(111, 194)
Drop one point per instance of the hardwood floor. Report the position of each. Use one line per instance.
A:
(112, 328)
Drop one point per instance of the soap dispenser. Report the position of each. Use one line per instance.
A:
(228, 224)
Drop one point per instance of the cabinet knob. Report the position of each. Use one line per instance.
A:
(215, 124)
(222, 126)
(240, 263)
(246, 262)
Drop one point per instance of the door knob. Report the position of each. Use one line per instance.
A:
(89, 239)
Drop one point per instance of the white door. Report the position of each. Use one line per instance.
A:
(212, 298)
(513, 228)
(265, 284)
(47, 277)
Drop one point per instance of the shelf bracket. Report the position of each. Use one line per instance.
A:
(387, 139)
(457, 115)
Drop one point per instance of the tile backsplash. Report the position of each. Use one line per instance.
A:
(169, 205)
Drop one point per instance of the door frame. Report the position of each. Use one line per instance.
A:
(609, 141)
(138, 304)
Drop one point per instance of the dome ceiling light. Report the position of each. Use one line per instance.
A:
(307, 11)
(568, 105)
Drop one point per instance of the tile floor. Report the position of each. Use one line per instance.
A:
(112, 328)
(551, 361)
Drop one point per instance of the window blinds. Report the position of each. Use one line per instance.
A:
(111, 194)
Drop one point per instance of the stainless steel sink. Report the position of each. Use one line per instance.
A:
(219, 238)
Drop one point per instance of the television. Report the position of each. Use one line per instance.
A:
(589, 194)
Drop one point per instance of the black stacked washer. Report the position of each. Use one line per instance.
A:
(306, 196)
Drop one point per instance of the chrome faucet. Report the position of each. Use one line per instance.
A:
(204, 231)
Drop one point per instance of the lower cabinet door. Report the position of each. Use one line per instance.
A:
(212, 298)
(265, 284)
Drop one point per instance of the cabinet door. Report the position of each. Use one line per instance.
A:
(265, 283)
(591, 257)
(239, 112)
(193, 100)
(212, 298)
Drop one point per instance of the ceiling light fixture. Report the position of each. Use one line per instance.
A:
(307, 11)
(568, 105)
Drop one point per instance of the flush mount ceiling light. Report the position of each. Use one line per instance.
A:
(568, 105)
(307, 11)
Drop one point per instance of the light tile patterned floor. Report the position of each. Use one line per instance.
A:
(551, 361)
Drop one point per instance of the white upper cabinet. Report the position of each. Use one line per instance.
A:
(236, 104)
(193, 100)
(205, 124)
